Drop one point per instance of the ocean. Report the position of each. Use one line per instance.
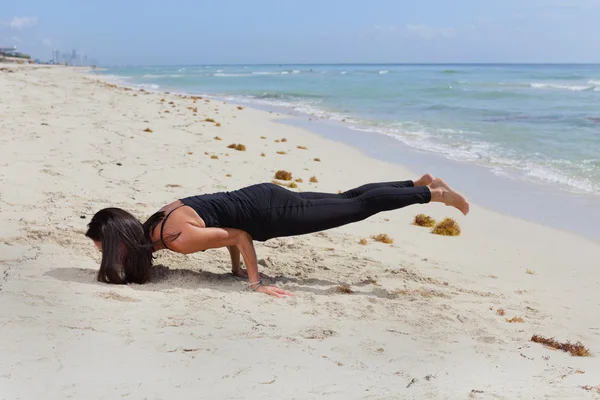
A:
(537, 123)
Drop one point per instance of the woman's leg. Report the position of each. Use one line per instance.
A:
(352, 193)
(291, 215)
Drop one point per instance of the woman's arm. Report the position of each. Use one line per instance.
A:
(193, 239)
(246, 247)
(234, 252)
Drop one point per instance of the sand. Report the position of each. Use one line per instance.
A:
(421, 322)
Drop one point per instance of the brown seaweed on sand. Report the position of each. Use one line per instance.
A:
(238, 147)
(313, 179)
(148, 130)
(345, 289)
(448, 227)
(283, 175)
(383, 238)
(424, 220)
(592, 388)
(577, 349)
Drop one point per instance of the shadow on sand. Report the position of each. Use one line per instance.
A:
(164, 277)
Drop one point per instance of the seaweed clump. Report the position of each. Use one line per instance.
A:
(577, 349)
(238, 147)
(345, 289)
(148, 130)
(424, 220)
(313, 179)
(448, 227)
(383, 238)
(283, 175)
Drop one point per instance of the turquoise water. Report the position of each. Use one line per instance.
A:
(531, 122)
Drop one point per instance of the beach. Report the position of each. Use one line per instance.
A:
(423, 320)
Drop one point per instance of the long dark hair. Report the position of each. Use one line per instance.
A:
(126, 245)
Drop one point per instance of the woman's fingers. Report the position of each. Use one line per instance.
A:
(281, 291)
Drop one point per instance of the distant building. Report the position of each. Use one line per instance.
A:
(8, 51)
(56, 58)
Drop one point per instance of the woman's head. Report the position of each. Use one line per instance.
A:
(125, 244)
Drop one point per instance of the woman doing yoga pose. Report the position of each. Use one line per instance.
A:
(234, 219)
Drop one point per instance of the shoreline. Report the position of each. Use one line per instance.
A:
(529, 201)
(423, 309)
(536, 170)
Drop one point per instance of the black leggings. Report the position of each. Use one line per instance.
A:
(292, 213)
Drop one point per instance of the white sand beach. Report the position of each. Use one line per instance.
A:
(422, 321)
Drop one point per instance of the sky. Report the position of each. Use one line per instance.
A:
(308, 31)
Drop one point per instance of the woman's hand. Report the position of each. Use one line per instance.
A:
(273, 291)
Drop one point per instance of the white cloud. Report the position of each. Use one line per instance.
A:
(427, 32)
(47, 42)
(20, 23)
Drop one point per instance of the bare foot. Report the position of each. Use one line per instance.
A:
(449, 196)
(425, 180)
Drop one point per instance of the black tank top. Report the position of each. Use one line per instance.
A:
(243, 209)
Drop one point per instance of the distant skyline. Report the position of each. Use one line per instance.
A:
(309, 31)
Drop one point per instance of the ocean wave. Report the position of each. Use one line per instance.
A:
(451, 71)
(593, 82)
(265, 73)
(222, 75)
(575, 88)
(151, 86)
(343, 72)
(383, 72)
(154, 76)
(488, 155)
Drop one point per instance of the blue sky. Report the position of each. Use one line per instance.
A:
(307, 31)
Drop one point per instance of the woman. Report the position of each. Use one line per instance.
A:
(234, 219)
